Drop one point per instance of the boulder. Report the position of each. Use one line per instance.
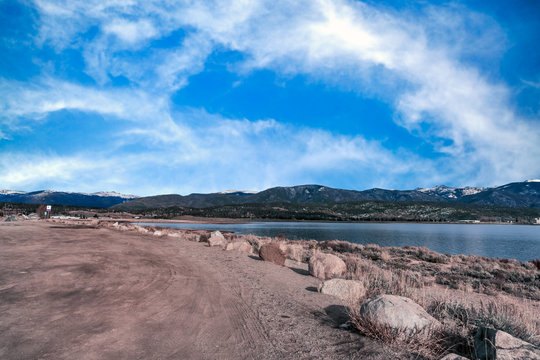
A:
(326, 266)
(348, 290)
(273, 253)
(242, 246)
(454, 357)
(257, 242)
(193, 237)
(398, 313)
(216, 239)
(491, 344)
(296, 252)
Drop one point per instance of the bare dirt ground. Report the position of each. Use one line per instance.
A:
(78, 292)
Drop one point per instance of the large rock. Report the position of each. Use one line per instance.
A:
(217, 239)
(296, 252)
(454, 357)
(273, 253)
(242, 246)
(326, 266)
(491, 344)
(399, 313)
(348, 290)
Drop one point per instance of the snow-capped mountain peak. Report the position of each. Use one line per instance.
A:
(112, 194)
(438, 188)
(51, 197)
(451, 192)
(11, 192)
(238, 191)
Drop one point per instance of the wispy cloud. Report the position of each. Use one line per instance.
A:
(418, 67)
(222, 152)
(22, 170)
(131, 32)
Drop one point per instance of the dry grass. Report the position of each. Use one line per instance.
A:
(378, 281)
(514, 317)
(460, 318)
(430, 344)
(464, 272)
(459, 309)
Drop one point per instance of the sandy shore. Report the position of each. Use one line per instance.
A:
(82, 292)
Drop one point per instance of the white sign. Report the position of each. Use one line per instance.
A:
(48, 207)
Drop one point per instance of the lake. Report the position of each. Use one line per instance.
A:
(519, 242)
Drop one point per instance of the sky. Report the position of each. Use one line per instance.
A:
(157, 97)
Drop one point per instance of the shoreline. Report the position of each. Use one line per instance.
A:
(202, 220)
(342, 234)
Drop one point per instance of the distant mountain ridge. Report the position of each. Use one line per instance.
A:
(518, 194)
(98, 199)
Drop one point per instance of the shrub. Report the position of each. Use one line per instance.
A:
(340, 246)
(463, 318)
(506, 317)
(427, 345)
(536, 263)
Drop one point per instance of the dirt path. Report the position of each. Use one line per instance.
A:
(91, 293)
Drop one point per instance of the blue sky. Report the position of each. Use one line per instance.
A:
(179, 96)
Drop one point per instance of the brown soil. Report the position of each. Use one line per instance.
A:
(83, 292)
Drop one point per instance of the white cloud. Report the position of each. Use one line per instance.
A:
(216, 153)
(43, 96)
(417, 67)
(131, 32)
(454, 100)
(21, 170)
(532, 84)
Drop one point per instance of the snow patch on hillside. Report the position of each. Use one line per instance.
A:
(451, 192)
(41, 194)
(112, 194)
(471, 190)
(238, 191)
(11, 192)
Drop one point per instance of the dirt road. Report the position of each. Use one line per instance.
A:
(78, 292)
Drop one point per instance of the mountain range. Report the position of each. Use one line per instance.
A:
(98, 199)
(517, 194)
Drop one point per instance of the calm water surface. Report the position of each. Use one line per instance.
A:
(503, 241)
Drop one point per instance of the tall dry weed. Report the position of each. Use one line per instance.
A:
(428, 344)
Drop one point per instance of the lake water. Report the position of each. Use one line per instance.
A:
(503, 241)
